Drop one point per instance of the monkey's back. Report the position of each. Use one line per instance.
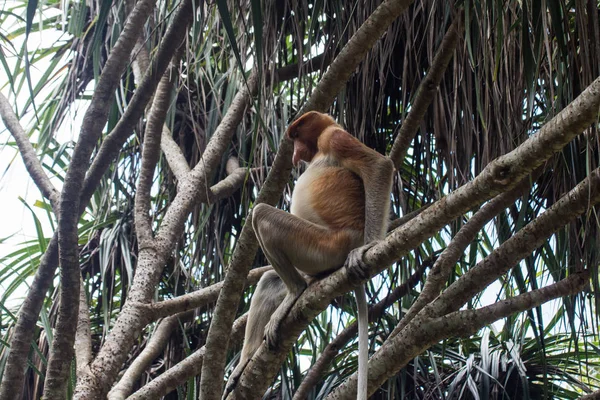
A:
(330, 187)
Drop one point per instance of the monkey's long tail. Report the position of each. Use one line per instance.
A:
(363, 342)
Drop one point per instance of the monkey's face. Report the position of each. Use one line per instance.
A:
(305, 132)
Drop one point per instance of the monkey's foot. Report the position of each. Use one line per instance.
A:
(356, 268)
(272, 333)
(234, 378)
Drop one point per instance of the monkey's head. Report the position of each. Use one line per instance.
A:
(305, 132)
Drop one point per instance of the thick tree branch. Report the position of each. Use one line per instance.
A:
(200, 297)
(30, 159)
(173, 154)
(150, 156)
(467, 322)
(14, 373)
(500, 175)
(425, 94)
(83, 336)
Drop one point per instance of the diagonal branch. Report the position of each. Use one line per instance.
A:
(30, 159)
(580, 198)
(573, 204)
(467, 322)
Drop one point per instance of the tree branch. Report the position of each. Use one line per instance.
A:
(30, 159)
(83, 336)
(580, 198)
(467, 322)
(20, 343)
(150, 156)
(173, 154)
(584, 195)
(200, 297)
(153, 348)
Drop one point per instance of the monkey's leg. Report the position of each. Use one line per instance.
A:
(290, 242)
(269, 293)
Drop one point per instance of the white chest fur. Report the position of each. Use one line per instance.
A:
(302, 196)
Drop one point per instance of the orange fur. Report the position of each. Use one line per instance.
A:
(338, 197)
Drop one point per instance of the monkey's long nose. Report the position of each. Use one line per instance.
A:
(295, 157)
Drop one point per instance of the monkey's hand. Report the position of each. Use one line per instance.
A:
(356, 268)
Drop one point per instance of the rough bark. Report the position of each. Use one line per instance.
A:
(27, 152)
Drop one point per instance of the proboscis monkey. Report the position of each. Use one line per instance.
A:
(338, 205)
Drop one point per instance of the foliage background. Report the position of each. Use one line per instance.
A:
(517, 64)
